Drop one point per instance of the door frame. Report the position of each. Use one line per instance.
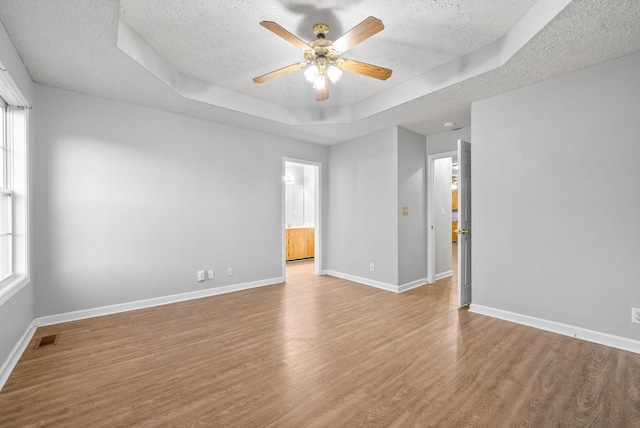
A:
(317, 233)
(431, 213)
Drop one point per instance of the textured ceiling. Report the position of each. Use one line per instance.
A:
(222, 42)
(72, 44)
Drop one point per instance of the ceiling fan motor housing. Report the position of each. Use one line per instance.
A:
(321, 53)
(320, 30)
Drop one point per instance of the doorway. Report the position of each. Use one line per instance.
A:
(440, 216)
(301, 212)
(443, 181)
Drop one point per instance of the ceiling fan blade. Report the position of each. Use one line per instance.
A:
(280, 31)
(323, 94)
(363, 68)
(357, 34)
(279, 72)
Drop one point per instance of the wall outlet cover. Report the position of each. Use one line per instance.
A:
(211, 274)
(635, 315)
(200, 275)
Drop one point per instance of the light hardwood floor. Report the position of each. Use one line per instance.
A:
(318, 352)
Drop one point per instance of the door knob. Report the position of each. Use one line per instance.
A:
(462, 231)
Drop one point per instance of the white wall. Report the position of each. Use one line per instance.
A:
(17, 312)
(294, 194)
(131, 201)
(556, 199)
(309, 195)
(300, 195)
(411, 194)
(362, 219)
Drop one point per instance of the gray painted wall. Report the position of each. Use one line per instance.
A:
(412, 249)
(14, 66)
(362, 221)
(556, 199)
(131, 201)
(16, 313)
(370, 179)
(447, 141)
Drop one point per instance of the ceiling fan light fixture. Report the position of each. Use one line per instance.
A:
(334, 73)
(452, 126)
(312, 73)
(320, 82)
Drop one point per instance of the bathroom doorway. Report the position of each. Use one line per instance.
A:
(302, 208)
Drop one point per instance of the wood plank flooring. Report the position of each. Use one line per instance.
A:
(318, 352)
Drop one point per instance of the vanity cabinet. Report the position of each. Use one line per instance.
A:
(454, 234)
(300, 243)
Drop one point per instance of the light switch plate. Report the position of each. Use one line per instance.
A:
(210, 274)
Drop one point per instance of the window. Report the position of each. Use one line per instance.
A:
(6, 195)
(14, 230)
(14, 187)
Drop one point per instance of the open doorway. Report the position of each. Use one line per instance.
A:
(444, 183)
(301, 208)
(442, 216)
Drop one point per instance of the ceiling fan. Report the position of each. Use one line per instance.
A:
(322, 55)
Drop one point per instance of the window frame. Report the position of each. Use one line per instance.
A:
(14, 183)
(6, 191)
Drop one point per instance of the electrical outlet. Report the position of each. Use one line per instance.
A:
(635, 315)
(372, 267)
(211, 274)
(230, 271)
(200, 275)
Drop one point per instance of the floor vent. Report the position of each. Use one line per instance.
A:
(47, 340)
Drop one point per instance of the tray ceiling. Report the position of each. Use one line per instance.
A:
(201, 56)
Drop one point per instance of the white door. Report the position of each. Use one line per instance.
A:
(464, 223)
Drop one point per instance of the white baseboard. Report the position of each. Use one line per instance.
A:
(16, 353)
(365, 281)
(564, 329)
(148, 303)
(377, 284)
(411, 285)
(446, 274)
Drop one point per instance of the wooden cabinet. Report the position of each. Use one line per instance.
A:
(454, 199)
(454, 235)
(300, 243)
